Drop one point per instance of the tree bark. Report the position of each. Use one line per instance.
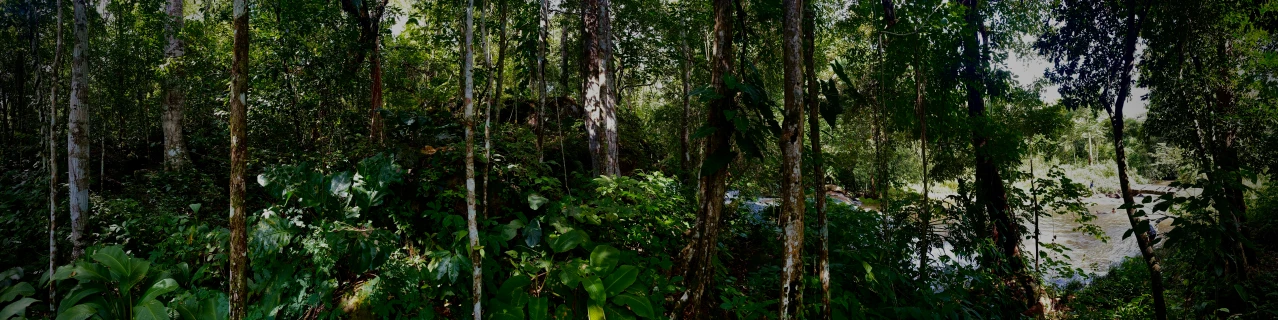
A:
(601, 126)
(175, 157)
(685, 79)
(238, 279)
(472, 222)
(78, 130)
(792, 201)
(925, 217)
(543, 26)
(1120, 159)
(53, 156)
(698, 260)
(818, 163)
(991, 192)
(501, 81)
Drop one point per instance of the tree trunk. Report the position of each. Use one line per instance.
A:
(685, 79)
(991, 193)
(925, 216)
(472, 222)
(501, 81)
(377, 131)
(792, 201)
(238, 278)
(1226, 155)
(1120, 159)
(543, 23)
(698, 260)
(78, 130)
(175, 157)
(600, 118)
(53, 156)
(818, 164)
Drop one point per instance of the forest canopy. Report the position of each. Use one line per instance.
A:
(638, 159)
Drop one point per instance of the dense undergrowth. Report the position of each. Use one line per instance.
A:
(382, 236)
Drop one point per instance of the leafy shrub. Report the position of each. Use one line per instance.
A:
(118, 286)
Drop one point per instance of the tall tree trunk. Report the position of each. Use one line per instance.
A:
(792, 201)
(818, 163)
(377, 131)
(685, 79)
(600, 116)
(78, 130)
(472, 222)
(925, 217)
(698, 256)
(543, 27)
(238, 278)
(991, 191)
(1226, 156)
(175, 157)
(1120, 159)
(53, 156)
(501, 81)
(612, 162)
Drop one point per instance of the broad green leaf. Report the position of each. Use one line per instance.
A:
(569, 277)
(595, 310)
(618, 313)
(21, 289)
(17, 308)
(114, 259)
(604, 258)
(88, 271)
(595, 289)
(77, 294)
(513, 285)
(703, 132)
(536, 200)
(509, 230)
(161, 287)
(64, 272)
(640, 305)
(568, 241)
(79, 312)
(195, 207)
(532, 234)
(150, 310)
(621, 279)
(538, 308)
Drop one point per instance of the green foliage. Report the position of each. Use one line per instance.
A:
(15, 297)
(116, 285)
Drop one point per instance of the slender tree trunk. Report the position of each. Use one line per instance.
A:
(609, 93)
(472, 222)
(925, 217)
(991, 192)
(53, 156)
(78, 130)
(1226, 155)
(175, 157)
(501, 81)
(377, 131)
(238, 279)
(488, 102)
(1120, 159)
(698, 261)
(792, 201)
(543, 23)
(818, 162)
(685, 159)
